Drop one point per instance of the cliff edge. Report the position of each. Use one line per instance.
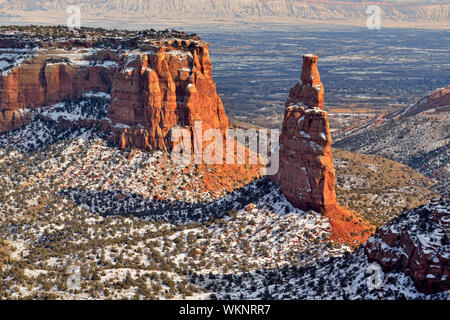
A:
(154, 80)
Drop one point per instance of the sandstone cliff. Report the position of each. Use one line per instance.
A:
(154, 84)
(42, 81)
(154, 92)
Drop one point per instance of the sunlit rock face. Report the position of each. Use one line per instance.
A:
(306, 175)
(153, 84)
(153, 93)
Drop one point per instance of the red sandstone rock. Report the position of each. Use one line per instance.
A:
(309, 90)
(163, 90)
(416, 243)
(306, 174)
(168, 84)
(39, 82)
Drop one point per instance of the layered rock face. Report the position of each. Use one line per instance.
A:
(154, 84)
(39, 82)
(310, 89)
(154, 92)
(416, 243)
(306, 174)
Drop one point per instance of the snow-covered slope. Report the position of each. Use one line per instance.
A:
(418, 136)
(143, 227)
(352, 276)
(66, 195)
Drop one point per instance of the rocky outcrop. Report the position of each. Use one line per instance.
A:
(310, 89)
(306, 171)
(306, 174)
(154, 84)
(164, 89)
(418, 244)
(13, 119)
(42, 81)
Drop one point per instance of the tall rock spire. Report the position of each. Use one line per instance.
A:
(306, 175)
(310, 89)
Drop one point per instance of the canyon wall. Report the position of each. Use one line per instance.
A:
(306, 175)
(161, 85)
(40, 82)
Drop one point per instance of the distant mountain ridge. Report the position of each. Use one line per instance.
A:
(419, 10)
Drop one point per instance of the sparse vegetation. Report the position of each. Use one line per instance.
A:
(379, 188)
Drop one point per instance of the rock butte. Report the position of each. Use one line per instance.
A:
(155, 80)
(160, 91)
(161, 84)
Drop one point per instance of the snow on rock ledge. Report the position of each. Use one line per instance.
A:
(417, 243)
